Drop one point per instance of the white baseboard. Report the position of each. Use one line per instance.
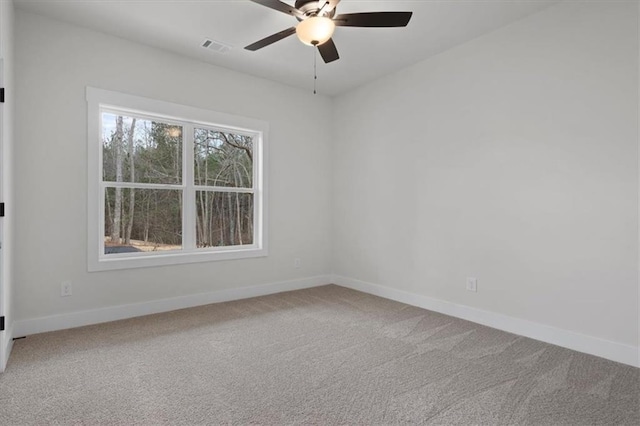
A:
(614, 351)
(114, 313)
(7, 348)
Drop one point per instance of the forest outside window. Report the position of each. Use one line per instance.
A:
(171, 189)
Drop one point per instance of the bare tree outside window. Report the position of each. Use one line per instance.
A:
(137, 151)
(173, 184)
(223, 159)
(141, 154)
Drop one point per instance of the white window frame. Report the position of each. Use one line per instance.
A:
(100, 100)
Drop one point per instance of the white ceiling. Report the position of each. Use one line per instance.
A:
(365, 54)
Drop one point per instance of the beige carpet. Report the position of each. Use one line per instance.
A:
(321, 356)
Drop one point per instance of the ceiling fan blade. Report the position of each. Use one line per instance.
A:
(271, 39)
(328, 6)
(374, 19)
(280, 7)
(329, 51)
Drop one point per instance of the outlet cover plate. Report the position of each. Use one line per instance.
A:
(472, 284)
(66, 289)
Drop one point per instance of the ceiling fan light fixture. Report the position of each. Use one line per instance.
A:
(315, 30)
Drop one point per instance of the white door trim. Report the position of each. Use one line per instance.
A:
(4, 336)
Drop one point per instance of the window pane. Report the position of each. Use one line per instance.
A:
(224, 219)
(141, 151)
(142, 220)
(223, 159)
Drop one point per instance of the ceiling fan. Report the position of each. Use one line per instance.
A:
(318, 20)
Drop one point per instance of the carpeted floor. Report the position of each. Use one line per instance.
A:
(327, 355)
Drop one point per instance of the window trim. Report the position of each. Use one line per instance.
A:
(100, 99)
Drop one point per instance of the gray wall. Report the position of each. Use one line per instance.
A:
(512, 158)
(56, 61)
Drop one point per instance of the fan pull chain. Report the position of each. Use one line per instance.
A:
(315, 72)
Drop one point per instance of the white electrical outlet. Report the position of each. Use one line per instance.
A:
(297, 263)
(65, 289)
(472, 284)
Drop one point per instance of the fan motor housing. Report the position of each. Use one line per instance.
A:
(312, 7)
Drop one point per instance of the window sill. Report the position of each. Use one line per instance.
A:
(173, 258)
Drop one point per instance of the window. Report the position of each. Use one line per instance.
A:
(172, 184)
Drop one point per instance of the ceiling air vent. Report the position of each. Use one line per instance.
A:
(216, 46)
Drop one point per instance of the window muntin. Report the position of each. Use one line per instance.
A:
(188, 190)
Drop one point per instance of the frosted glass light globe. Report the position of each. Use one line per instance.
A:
(315, 31)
